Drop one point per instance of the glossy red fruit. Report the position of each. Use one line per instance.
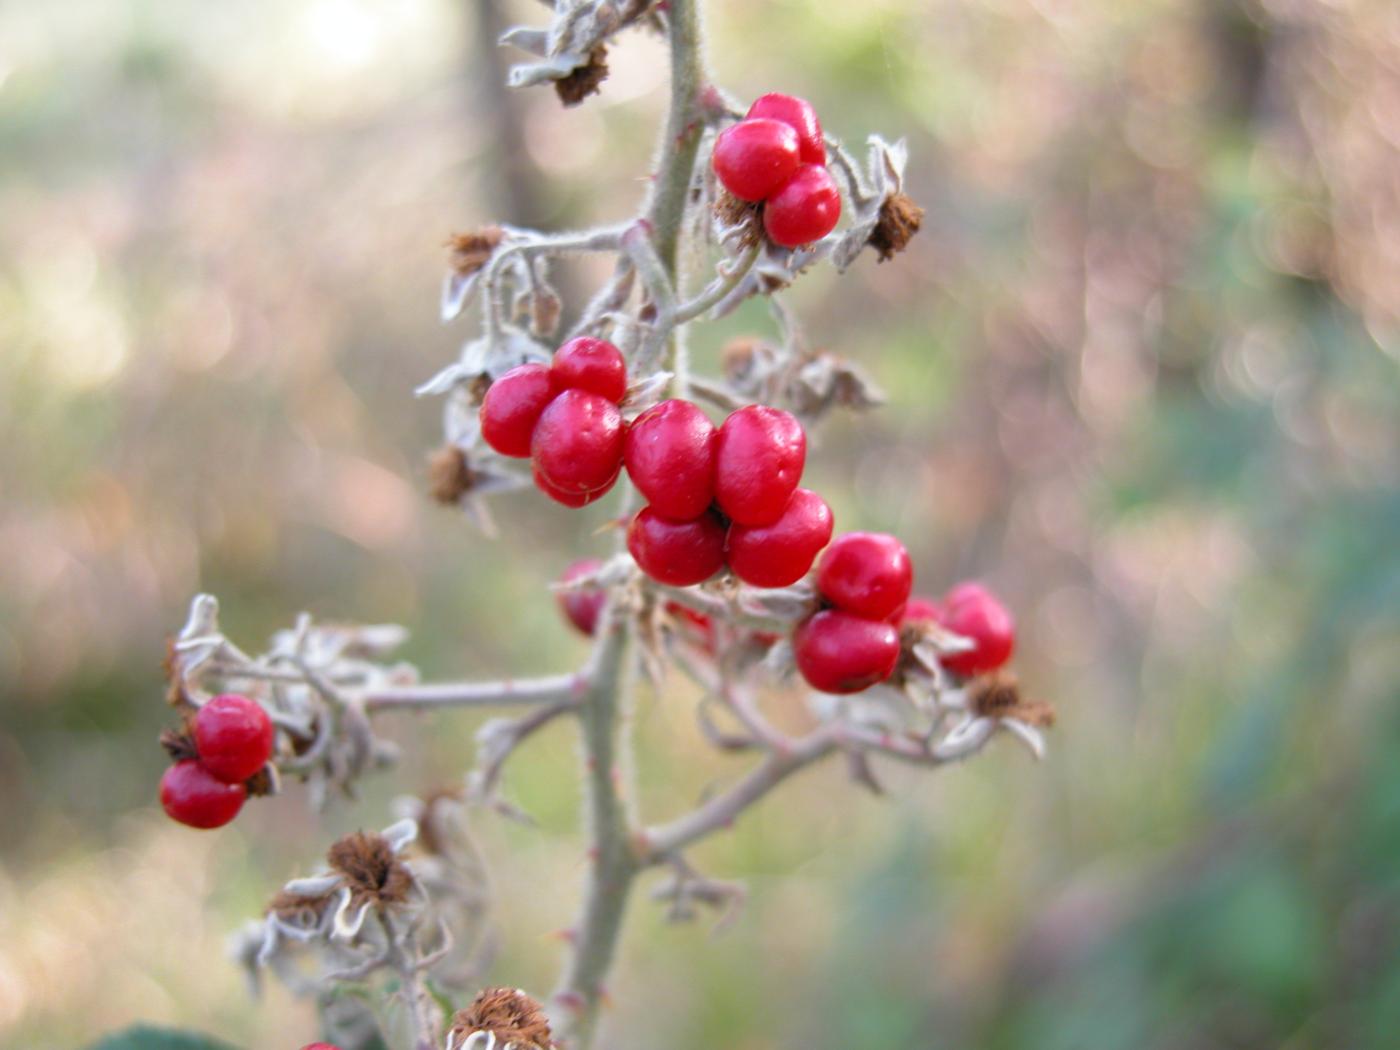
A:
(841, 653)
(670, 457)
(233, 736)
(594, 365)
(512, 406)
(921, 610)
(320, 1046)
(799, 115)
(866, 573)
(972, 611)
(780, 554)
(577, 447)
(678, 553)
(582, 608)
(192, 795)
(754, 157)
(805, 209)
(570, 499)
(759, 455)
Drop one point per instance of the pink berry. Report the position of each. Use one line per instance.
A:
(320, 1046)
(754, 157)
(594, 365)
(840, 653)
(969, 609)
(759, 455)
(512, 406)
(670, 457)
(780, 554)
(866, 573)
(799, 115)
(805, 209)
(191, 795)
(233, 736)
(921, 610)
(582, 608)
(577, 446)
(678, 553)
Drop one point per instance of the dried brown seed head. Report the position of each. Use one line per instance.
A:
(731, 211)
(998, 695)
(297, 910)
(513, 1017)
(370, 868)
(469, 252)
(900, 218)
(586, 79)
(178, 744)
(449, 475)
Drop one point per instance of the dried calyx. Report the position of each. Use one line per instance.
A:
(900, 218)
(998, 695)
(503, 1019)
(469, 252)
(371, 869)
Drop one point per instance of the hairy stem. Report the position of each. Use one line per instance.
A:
(508, 692)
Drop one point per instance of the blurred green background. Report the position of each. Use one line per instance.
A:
(1145, 373)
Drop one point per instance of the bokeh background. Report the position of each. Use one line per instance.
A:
(1144, 367)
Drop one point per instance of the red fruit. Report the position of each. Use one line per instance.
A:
(678, 553)
(320, 1046)
(192, 795)
(969, 609)
(570, 499)
(697, 625)
(577, 447)
(840, 653)
(513, 405)
(754, 157)
(670, 457)
(594, 365)
(779, 554)
(233, 736)
(805, 209)
(582, 608)
(799, 115)
(866, 573)
(759, 455)
(921, 609)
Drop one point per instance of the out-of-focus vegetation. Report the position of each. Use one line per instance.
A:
(1145, 374)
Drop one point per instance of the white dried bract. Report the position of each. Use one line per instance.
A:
(309, 681)
(578, 28)
(867, 192)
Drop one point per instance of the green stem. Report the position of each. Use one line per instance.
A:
(675, 162)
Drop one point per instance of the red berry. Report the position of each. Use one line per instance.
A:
(233, 736)
(779, 554)
(805, 209)
(759, 455)
(513, 405)
(670, 457)
(320, 1046)
(972, 611)
(799, 115)
(754, 157)
(192, 795)
(921, 610)
(697, 625)
(569, 499)
(866, 573)
(840, 653)
(678, 553)
(577, 447)
(594, 365)
(582, 608)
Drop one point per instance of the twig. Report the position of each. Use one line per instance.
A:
(508, 692)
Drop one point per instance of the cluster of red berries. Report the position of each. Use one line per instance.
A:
(776, 156)
(971, 610)
(232, 738)
(564, 418)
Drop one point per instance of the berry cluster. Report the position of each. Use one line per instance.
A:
(971, 610)
(776, 157)
(229, 741)
(564, 418)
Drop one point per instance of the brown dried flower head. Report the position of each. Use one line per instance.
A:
(449, 475)
(469, 252)
(297, 910)
(998, 695)
(900, 218)
(372, 871)
(515, 1019)
(586, 79)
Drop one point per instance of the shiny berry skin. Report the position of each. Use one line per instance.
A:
(972, 611)
(570, 499)
(799, 115)
(921, 610)
(840, 653)
(582, 608)
(780, 554)
(512, 406)
(759, 455)
(191, 795)
(594, 365)
(670, 457)
(754, 157)
(577, 447)
(233, 736)
(678, 553)
(805, 209)
(866, 573)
